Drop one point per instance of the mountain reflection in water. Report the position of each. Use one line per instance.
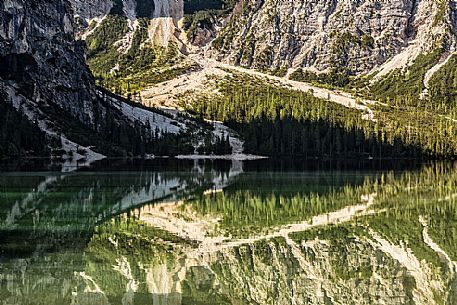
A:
(233, 234)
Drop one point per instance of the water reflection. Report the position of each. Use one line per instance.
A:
(221, 235)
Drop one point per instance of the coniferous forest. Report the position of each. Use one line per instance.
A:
(19, 136)
(281, 122)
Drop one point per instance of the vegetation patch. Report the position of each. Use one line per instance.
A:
(143, 65)
(443, 85)
(405, 86)
(336, 78)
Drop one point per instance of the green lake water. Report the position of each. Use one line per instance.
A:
(230, 233)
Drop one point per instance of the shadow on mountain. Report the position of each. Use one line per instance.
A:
(285, 138)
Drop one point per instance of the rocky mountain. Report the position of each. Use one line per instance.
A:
(40, 59)
(322, 36)
(167, 19)
(45, 80)
(43, 71)
(359, 36)
(175, 53)
(133, 44)
(164, 17)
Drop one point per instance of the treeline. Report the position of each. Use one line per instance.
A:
(280, 122)
(18, 136)
(443, 86)
(338, 77)
(144, 139)
(141, 139)
(307, 138)
(114, 135)
(221, 146)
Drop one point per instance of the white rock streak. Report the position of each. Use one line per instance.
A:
(164, 24)
(92, 286)
(435, 247)
(423, 293)
(123, 267)
(129, 8)
(169, 93)
(429, 74)
(202, 229)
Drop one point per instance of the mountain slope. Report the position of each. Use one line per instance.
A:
(137, 43)
(42, 65)
(325, 36)
(397, 54)
(45, 79)
(335, 40)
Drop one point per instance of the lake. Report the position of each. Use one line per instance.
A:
(167, 232)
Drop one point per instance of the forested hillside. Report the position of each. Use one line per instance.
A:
(282, 122)
(414, 116)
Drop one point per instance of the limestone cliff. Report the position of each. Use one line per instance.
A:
(163, 16)
(322, 35)
(356, 37)
(40, 59)
(44, 76)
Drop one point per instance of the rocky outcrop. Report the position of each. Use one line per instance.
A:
(163, 15)
(322, 35)
(44, 76)
(164, 23)
(40, 58)
(89, 10)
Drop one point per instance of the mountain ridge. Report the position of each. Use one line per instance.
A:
(340, 38)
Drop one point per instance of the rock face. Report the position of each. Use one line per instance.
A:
(89, 10)
(327, 34)
(44, 76)
(164, 16)
(320, 35)
(164, 24)
(40, 58)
